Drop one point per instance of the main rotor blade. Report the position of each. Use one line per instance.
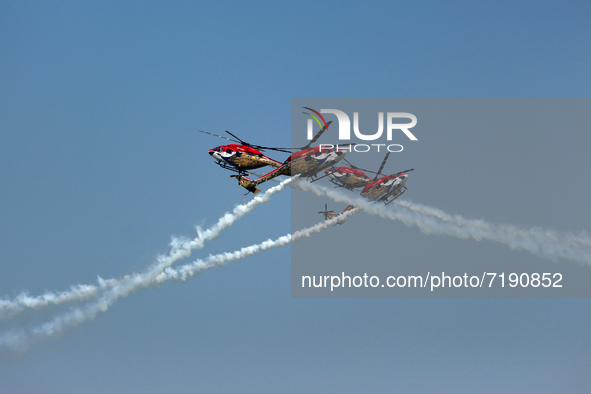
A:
(358, 168)
(220, 136)
(323, 176)
(326, 211)
(259, 147)
(350, 164)
(324, 128)
(382, 166)
(402, 172)
(347, 144)
(242, 142)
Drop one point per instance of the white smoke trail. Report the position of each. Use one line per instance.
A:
(186, 271)
(540, 242)
(180, 249)
(541, 235)
(133, 283)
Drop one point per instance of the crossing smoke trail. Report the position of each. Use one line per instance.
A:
(189, 270)
(540, 242)
(180, 249)
(150, 279)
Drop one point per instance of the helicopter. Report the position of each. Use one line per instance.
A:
(333, 214)
(306, 162)
(379, 189)
(242, 156)
(382, 188)
(350, 178)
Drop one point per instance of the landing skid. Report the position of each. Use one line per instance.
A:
(231, 168)
(340, 184)
(401, 193)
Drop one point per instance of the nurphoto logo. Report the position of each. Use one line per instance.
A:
(393, 126)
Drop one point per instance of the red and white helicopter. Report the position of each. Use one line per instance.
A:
(307, 162)
(347, 177)
(386, 188)
(350, 178)
(242, 157)
(382, 188)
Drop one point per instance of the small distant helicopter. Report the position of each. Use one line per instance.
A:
(333, 214)
(242, 157)
(307, 162)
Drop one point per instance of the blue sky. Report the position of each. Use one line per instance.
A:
(101, 163)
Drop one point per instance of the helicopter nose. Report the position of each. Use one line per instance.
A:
(214, 154)
(339, 155)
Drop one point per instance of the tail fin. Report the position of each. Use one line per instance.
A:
(248, 184)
